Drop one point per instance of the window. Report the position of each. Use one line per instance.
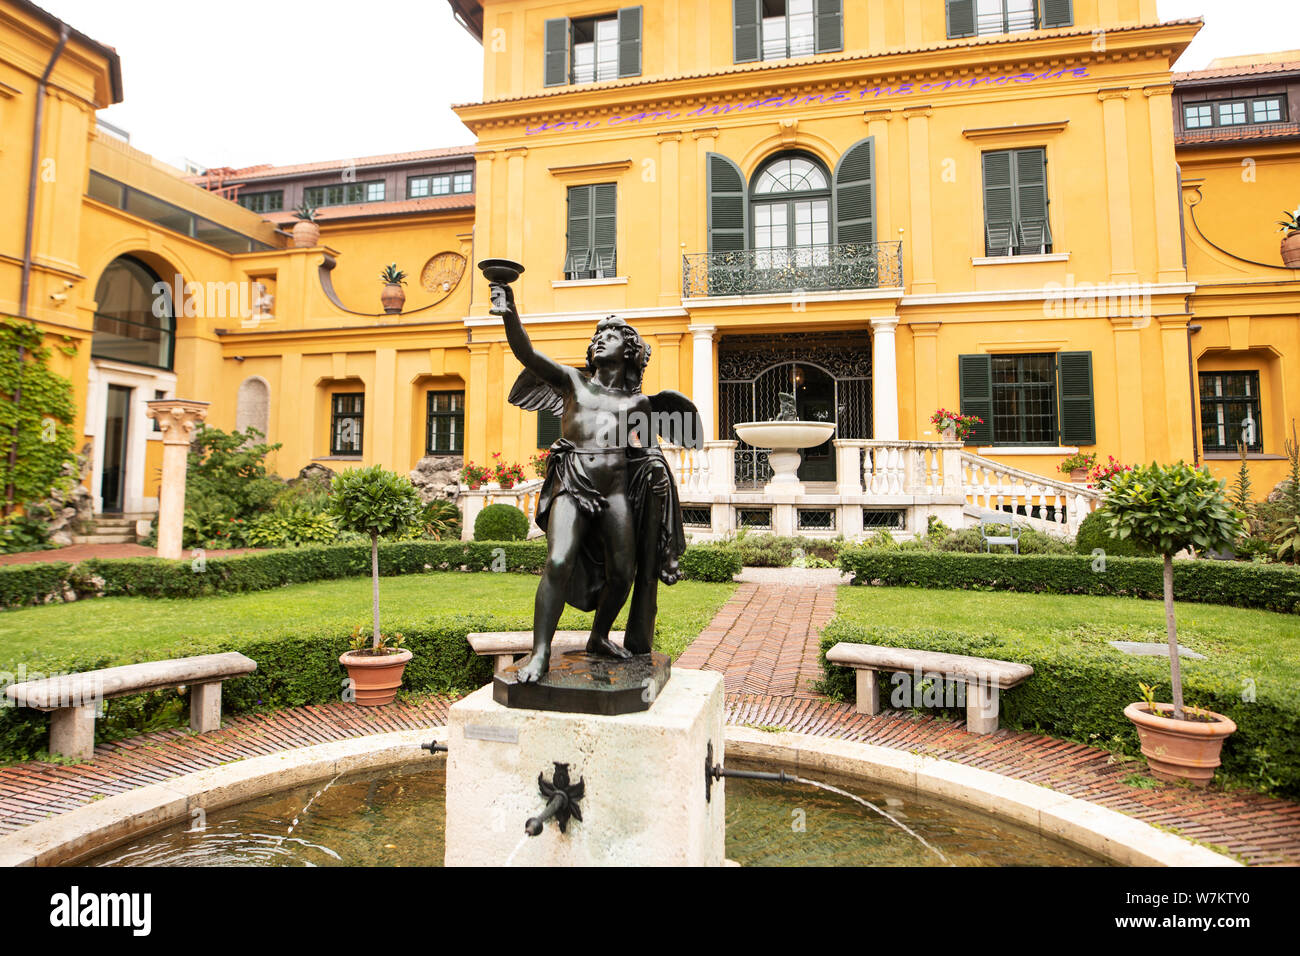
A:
(589, 252)
(171, 217)
(1230, 411)
(548, 428)
(1015, 203)
(592, 49)
(777, 29)
(445, 430)
(1029, 399)
(442, 184)
(346, 422)
(1260, 109)
(344, 194)
(263, 202)
(462, 182)
(790, 211)
(158, 395)
(134, 317)
(968, 18)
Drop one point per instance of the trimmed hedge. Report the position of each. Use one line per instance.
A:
(26, 584)
(710, 562)
(294, 667)
(1079, 691)
(501, 522)
(1271, 587)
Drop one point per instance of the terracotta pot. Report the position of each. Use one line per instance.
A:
(393, 298)
(306, 235)
(375, 677)
(1178, 750)
(475, 485)
(1078, 475)
(950, 434)
(1291, 250)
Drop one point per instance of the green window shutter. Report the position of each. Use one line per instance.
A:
(556, 57)
(578, 242)
(1057, 13)
(728, 215)
(744, 17)
(548, 428)
(999, 203)
(855, 206)
(1078, 424)
(828, 26)
(1031, 184)
(604, 226)
(975, 379)
(629, 41)
(961, 18)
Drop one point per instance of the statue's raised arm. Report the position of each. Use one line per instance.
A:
(547, 369)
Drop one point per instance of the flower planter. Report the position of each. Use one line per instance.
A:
(1291, 250)
(1178, 750)
(1078, 475)
(306, 234)
(950, 434)
(393, 298)
(375, 677)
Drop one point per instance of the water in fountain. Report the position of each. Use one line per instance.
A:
(867, 803)
(510, 860)
(307, 805)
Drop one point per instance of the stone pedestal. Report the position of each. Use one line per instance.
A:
(643, 777)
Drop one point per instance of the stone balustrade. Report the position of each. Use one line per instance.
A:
(992, 485)
(523, 496)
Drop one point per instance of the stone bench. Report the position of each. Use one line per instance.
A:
(76, 699)
(984, 678)
(506, 646)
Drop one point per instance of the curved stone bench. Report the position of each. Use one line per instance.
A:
(984, 677)
(76, 699)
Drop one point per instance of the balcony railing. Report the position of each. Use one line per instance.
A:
(827, 268)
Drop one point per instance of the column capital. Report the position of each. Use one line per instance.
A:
(884, 113)
(1173, 323)
(886, 324)
(668, 135)
(1113, 93)
(921, 330)
(1160, 89)
(918, 112)
(513, 152)
(707, 132)
(703, 331)
(178, 418)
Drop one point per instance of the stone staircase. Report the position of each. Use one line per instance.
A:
(113, 529)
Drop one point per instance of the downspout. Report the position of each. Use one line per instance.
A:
(25, 288)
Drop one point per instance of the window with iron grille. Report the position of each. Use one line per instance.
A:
(445, 426)
(346, 421)
(263, 202)
(698, 517)
(754, 517)
(344, 194)
(816, 519)
(1024, 399)
(878, 518)
(1230, 411)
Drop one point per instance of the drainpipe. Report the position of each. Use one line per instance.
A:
(27, 244)
(1191, 384)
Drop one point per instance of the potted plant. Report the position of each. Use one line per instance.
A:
(474, 475)
(1101, 475)
(953, 426)
(1169, 508)
(1078, 465)
(1290, 238)
(394, 296)
(374, 501)
(507, 476)
(306, 232)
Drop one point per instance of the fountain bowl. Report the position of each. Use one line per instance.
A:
(778, 434)
(500, 270)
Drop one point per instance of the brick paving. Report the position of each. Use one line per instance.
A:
(764, 642)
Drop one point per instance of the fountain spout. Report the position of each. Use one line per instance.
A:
(561, 800)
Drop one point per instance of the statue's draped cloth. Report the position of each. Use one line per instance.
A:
(567, 474)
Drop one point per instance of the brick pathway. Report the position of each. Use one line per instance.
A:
(764, 641)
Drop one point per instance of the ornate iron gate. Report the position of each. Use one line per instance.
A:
(830, 374)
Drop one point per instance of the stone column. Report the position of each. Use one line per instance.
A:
(702, 384)
(884, 378)
(178, 418)
(1119, 192)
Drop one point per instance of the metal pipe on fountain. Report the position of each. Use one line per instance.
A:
(716, 771)
(561, 800)
(434, 747)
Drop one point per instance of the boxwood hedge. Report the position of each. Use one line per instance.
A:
(1079, 691)
(1269, 586)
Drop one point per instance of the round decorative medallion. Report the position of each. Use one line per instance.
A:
(442, 273)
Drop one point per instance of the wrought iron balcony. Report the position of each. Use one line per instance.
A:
(845, 265)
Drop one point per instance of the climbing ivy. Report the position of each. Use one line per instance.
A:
(43, 414)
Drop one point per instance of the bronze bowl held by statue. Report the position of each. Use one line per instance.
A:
(500, 270)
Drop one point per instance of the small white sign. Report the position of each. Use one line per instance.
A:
(501, 735)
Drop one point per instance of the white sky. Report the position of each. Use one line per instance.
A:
(283, 81)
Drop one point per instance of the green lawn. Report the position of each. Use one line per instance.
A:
(1265, 641)
(156, 628)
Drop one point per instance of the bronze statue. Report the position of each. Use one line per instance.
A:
(608, 504)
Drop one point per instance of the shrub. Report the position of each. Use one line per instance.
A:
(1079, 691)
(776, 551)
(440, 520)
(1271, 587)
(227, 485)
(1094, 533)
(711, 562)
(501, 522)
(290, 524)
(23, 584)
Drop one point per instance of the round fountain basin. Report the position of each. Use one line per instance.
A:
(396, 817)
(785, 434)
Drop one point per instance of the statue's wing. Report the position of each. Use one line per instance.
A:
(532, 394)
(676, 419)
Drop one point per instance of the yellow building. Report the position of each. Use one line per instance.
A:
(888, 209)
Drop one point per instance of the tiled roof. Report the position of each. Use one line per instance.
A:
(266, 170)
(1237, 134)
(1234, 71)
(396, 207)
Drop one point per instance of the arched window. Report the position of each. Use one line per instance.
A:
(134, 318)
(790, 212)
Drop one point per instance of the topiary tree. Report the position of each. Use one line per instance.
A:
(501, 522)
(1169, 508)
(374, 501)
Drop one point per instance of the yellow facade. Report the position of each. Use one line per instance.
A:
(1094, 96)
